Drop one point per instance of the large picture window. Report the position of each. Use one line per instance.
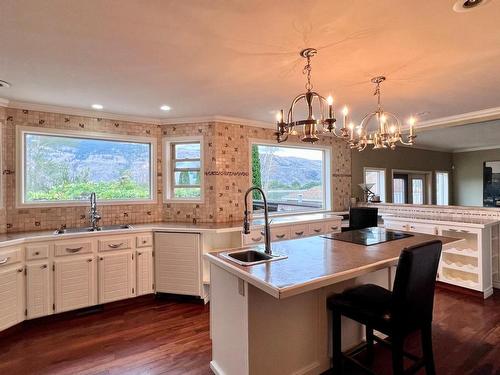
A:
(63, 167)
(293, 178)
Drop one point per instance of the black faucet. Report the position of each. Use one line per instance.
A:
(246, 222)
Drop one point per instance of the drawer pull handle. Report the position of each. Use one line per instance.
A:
(144, 241)
(101, 258)
(299, 233)
(4, 260)
(74, 249)
(37, 253)
(317, 230)
(20, 270)
(139, 254)
(115, 245)
(280, 236)
(43, 266)
(89, 260)
(256, 239)
(334, 228)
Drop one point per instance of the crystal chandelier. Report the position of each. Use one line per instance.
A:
(386, 127)
(316, 105)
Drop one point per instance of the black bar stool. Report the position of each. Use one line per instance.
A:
(362, 217)
(408, 308)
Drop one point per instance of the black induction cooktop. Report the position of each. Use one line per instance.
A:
(368, 236)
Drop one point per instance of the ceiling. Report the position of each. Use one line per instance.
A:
(484, 135)
(240, 57)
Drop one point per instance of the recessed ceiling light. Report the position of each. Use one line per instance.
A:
(165, 107)
(461, 6)
(97, 106)
(4, 84)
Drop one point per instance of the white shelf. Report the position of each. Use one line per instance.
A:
(464, 252)
(464, 268)
(463, 283)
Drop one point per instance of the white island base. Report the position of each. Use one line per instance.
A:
(254, 333)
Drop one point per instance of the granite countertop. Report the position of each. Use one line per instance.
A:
(300, 218)
(315, 262)
(443, 219)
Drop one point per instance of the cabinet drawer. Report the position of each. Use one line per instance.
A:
(117, 243)
(280, 233)
(72, 248)
(145, 240)
(255, 236)
(396, 225)
(316, 228)
(10, 256)
(298, 231)
(332, 226)
(37, 252)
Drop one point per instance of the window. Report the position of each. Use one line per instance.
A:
(417, 188)
(376, 176)
(399, 189)
(184, 169)
(65, 167)
(293, 178)
(442, 190)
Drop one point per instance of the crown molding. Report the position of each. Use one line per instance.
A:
(216, 118)
(481, 148)
(4, 102)
(487, 114)
(82, 112)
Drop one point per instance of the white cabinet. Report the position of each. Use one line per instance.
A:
(116, 276)
(74, 283)
(11, 296)
(38, 291)
(145, 273)
(177, 263)
(411, 227)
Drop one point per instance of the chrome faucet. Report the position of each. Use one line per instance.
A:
(94, 215)
(246, 222)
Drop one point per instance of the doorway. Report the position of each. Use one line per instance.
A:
(411, 187)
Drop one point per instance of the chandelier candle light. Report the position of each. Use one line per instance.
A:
(387, 130)
(309, 128)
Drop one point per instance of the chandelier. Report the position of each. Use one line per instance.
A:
(310, 128)
(386, 127)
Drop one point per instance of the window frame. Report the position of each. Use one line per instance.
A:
(447, 182)
(21, 176)
(327, 174)
(383, 197)
(169, 169)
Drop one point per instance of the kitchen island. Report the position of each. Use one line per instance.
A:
(271, 318)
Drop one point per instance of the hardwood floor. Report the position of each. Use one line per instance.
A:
(157, 336)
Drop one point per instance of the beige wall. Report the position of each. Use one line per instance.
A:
(468, 176)
(227, 172)
(403, 158)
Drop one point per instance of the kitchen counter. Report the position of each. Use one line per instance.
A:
(314, 262)
(476, 222)
(274, 310)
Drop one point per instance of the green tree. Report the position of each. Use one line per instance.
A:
(256, 177)
(184, 178)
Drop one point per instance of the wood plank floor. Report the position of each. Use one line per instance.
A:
(158, 336)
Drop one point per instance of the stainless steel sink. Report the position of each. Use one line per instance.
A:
(250, 257)
(90, 229)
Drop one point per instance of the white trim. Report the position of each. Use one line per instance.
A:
(484, 148)
(217, 118)
(326, 178)
(487, 114)
(167, 168)
(21, 130)
(82, 112)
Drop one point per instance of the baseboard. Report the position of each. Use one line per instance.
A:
(215, 368)
(313, 368)
(459, 289)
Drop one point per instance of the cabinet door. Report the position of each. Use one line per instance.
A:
(116, 276)
(177, 263)
(38, 290)
(11, 296)
(145, 278)
(74, 283)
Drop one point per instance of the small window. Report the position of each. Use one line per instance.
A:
(376, 176)
(442, 189)
(64, 167)
(399, 189)
(184, 169)
(292, 177)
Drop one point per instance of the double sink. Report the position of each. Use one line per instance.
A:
(90, 229)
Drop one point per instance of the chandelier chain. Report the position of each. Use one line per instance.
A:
(307, 70)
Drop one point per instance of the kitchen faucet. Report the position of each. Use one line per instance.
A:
(94, 216)
(246, 222)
